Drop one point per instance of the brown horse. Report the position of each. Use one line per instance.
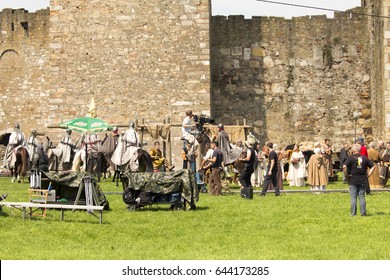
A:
(22, 165)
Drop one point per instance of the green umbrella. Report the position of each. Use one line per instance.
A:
(86, 124)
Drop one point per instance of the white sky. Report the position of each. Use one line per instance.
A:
(248, 8)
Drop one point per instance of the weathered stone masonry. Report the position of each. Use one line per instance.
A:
(24, 71)
(139, 59)
(295, 80)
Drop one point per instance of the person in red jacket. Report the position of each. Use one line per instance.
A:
(363, 150)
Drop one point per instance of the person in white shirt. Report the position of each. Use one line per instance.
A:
(186, 129)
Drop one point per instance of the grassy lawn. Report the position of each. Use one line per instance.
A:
(297, 226)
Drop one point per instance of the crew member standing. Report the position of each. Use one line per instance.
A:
(249, 167)
(355, 169)
(272, 171)
(216, 169)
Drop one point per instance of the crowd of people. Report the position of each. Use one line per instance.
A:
(268, 166)
(253, 165)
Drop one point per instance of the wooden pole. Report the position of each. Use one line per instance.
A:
(164, 144)
(169, 146)
(142, 132)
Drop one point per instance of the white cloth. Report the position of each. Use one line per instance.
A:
(192, 141)
(297, 169)
(257, 177)
(16, 139)
(125, 153)
(92, 143)
(64, 150)
(186, 134)
(209, 154)
(32, 146)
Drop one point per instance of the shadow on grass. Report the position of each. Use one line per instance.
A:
(155, 208)
(3, 214)
(378, 214)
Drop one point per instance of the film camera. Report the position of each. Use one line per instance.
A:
(201, 120)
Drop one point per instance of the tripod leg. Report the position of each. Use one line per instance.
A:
(117, 178)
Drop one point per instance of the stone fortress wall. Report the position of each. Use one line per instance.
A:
(293, 80)
(24, 72)
(139, 59)
(296, 80)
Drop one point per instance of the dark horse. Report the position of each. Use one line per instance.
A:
(145, 164)
(105, 164)
(145, 161)
(21, 166)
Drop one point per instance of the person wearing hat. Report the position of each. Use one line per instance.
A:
(115, 133)
(272, 171)
(249, 167)
(32, 147)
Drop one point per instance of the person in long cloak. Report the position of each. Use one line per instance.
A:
(373, 155)
(16, 139)
(32, 147)
(317, 171)
(229, 153)
(297, 168)
(125, 153)
(65, 151)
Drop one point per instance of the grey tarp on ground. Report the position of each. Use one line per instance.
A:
(182, 181)
(73, 180)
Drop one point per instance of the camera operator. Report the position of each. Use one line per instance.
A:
(186, 128)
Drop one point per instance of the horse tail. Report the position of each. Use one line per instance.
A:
(25, 162)
(101, 165)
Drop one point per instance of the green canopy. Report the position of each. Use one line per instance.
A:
(86, 124)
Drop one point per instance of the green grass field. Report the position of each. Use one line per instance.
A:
(296, 226)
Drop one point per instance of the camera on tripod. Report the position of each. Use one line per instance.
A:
(201, 120)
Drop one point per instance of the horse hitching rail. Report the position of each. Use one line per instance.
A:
(62, 207)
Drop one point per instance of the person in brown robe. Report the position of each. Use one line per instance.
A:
(317, 171)
(373, 155)
(327, 152)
